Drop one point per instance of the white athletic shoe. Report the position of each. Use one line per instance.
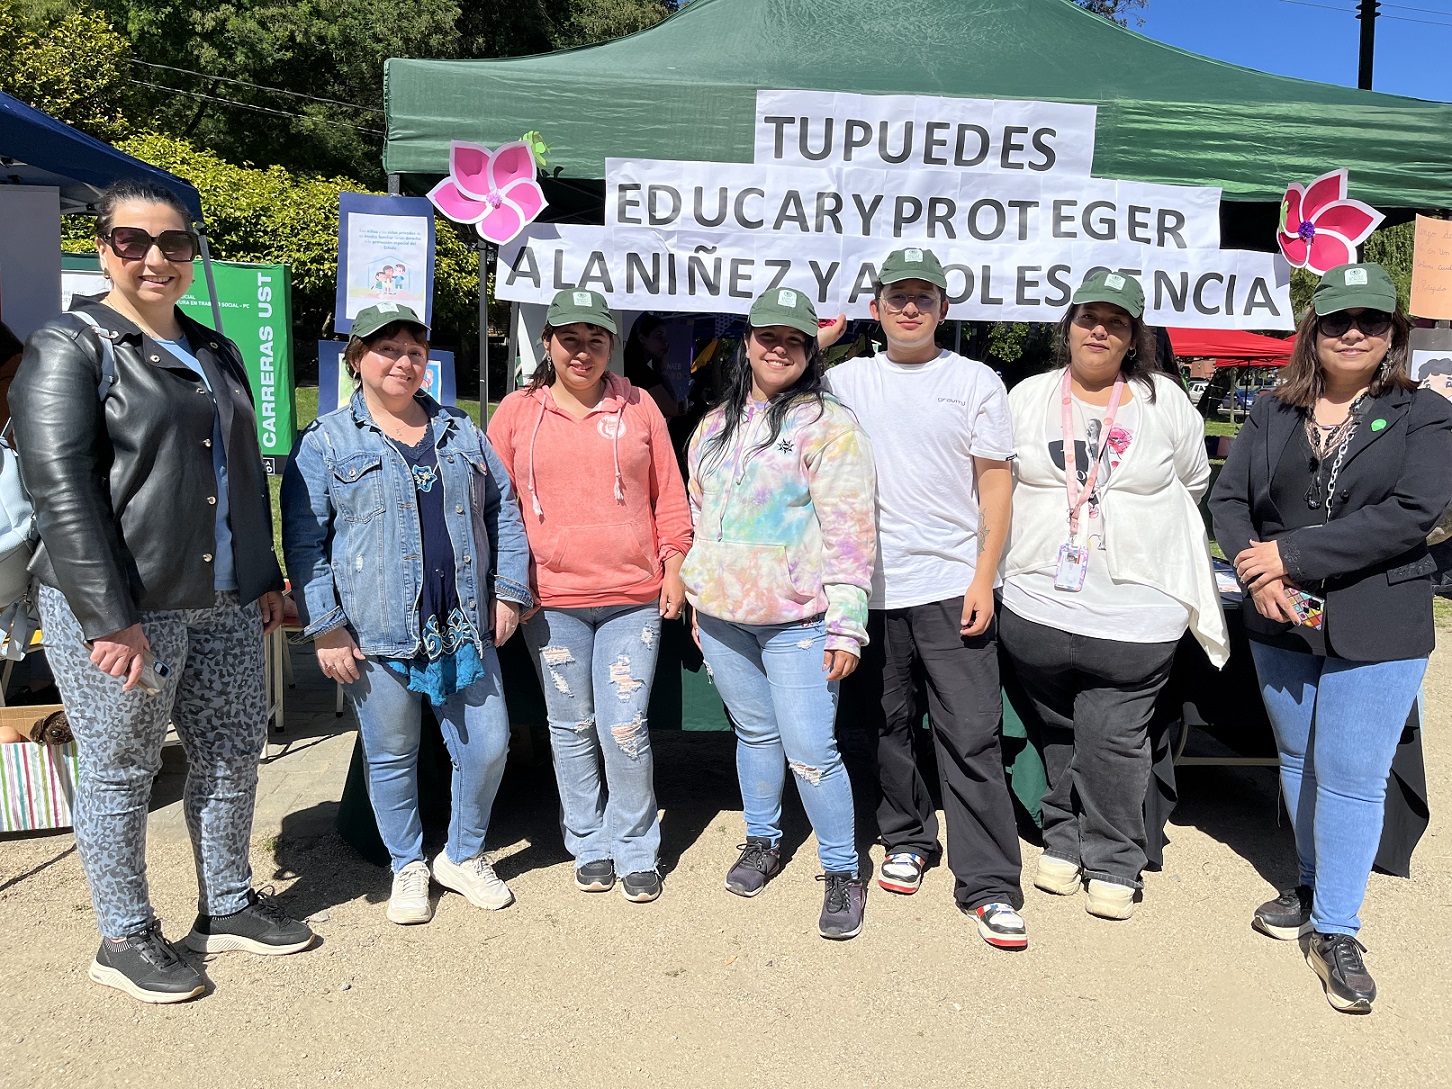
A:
(474, 879)
(409, 901)
(1108, 900)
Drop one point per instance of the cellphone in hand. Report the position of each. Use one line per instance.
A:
(154, 673)
(1309, 610)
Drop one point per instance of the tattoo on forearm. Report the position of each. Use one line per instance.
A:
(984, 532)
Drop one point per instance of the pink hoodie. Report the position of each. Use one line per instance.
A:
(602, 498)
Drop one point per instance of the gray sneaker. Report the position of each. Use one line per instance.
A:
(1287, 917)
(598, 876)
(1336, 958)
(641, 888)
(260, 927)
(843, 903)
(147, 967)
(758, 864)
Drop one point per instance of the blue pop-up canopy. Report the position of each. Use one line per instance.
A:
(36, 149)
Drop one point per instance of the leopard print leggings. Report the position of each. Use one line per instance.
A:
(215, 697)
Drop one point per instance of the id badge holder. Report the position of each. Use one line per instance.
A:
(1073, 563)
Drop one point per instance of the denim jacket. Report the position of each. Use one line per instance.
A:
(350, 531)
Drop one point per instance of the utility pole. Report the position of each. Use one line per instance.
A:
(1367, 14)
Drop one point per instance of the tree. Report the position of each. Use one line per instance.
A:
(1116, 11)
(73, 65)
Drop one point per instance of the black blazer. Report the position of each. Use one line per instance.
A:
(1395, 482)
(124, 490)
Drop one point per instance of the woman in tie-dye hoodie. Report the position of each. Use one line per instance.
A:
(781, 487)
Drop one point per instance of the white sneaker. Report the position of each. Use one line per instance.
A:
(474, 879)
(409, 901)
(1108, 900)
(1057, 875)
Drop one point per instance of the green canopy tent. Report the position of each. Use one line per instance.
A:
(685, 89)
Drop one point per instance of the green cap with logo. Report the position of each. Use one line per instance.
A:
(373, 318)
(1367, 286)
(573, 304)
(913, 263)
(784, 306)
(1106, 286)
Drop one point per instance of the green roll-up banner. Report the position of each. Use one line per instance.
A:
(256, 302)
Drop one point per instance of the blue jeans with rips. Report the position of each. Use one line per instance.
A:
(596, 666)
(1337, 724)
(785, 713)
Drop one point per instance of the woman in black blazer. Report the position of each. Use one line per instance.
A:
(1325, 504)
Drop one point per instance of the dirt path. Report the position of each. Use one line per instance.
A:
(703, 989)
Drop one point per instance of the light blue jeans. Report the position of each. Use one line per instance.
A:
(1337, 724)
(596, 667)
(475, 726)
(785, 713)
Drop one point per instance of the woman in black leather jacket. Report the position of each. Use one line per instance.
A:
(1325, 504)
(158, 581)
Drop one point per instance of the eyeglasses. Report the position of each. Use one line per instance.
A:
(1372, 323)
(133, 244)
(898, 301)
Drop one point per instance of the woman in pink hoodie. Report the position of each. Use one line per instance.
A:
(608, 527)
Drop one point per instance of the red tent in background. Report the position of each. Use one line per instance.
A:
(1232, 347)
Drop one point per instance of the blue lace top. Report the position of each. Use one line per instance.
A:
(449, 659)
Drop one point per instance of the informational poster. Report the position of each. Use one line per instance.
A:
(336, 385)
(1432, 269)
(256, 304)
(1431, 359)
(385, 254)
(1001, 192)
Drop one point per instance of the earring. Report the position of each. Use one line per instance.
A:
(1133, 352)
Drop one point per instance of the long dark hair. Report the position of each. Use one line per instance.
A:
(1302, 382)
(544, 374)
(1138, 364)
(640, 369)
(736, 394)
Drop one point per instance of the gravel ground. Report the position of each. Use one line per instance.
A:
(703, 989)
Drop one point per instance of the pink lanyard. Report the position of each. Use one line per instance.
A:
(1071, 477)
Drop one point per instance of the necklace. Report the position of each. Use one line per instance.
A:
(1323, 440)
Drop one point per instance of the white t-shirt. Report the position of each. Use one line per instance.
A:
(927, 422)
(1104, 609)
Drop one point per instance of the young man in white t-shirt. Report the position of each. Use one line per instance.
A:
(942, 442)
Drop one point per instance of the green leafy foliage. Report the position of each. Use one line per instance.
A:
(71, 64)
(1116, 11)
(274, 216)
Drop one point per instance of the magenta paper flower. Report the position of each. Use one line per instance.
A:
(494, 190)
(1320, 228)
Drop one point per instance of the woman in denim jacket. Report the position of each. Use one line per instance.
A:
(410, 565)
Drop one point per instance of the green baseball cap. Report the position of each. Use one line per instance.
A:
(1123, 291)
(913, 263)
(784, 306)
(373, 318)
(572, 305)
(1346, 286)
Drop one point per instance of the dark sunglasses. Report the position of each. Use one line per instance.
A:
(1372, 323)
(133, 244)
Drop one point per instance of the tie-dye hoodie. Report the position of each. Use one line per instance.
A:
(785, 533)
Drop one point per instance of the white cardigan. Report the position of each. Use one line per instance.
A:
(1158, 538)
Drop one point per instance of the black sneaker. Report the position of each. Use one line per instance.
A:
(843, 903)
(261, 927)
(596, 876)
(758, 864)
(147, 967)
(1336, 958)
(640, 888)
(1287, 917)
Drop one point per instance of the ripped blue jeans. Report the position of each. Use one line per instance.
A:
(596, 666)
(785, 713)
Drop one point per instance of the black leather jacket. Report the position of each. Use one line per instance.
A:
(124, 490)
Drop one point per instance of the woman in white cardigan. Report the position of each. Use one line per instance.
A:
(1106, 567)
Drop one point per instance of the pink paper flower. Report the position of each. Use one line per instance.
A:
(494, 190)
(1320, 228)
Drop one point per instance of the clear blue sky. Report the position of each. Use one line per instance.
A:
(1312, 42)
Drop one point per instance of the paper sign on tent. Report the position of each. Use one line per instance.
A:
(1432, 269)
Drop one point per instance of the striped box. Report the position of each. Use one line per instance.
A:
(37, 786)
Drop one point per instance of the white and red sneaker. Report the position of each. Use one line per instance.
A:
(1001, 926)
(901, 872)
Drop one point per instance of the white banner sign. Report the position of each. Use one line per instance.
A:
(841, 180)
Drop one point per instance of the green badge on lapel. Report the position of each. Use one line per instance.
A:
(1378, 424)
